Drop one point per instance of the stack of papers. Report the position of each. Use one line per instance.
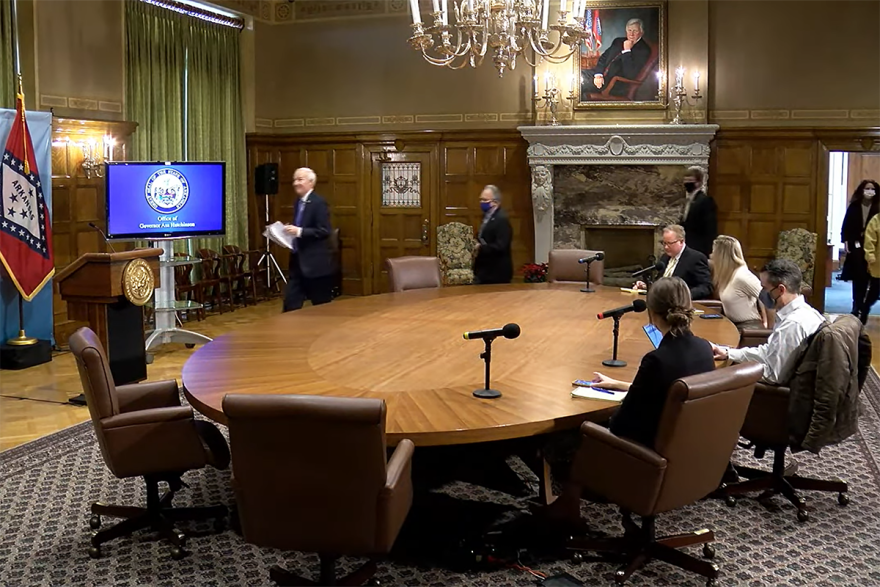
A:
(590, 393)
(275, 233)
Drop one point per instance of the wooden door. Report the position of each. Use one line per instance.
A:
(402, 197)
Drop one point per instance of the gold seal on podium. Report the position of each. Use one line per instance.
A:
(138, 282)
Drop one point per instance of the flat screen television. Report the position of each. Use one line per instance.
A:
(156, 200)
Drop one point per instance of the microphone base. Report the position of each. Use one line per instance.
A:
(614, 363)
(487, 393)
(588, 290)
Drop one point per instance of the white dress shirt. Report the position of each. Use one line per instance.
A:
(673, 263)
(794, 322)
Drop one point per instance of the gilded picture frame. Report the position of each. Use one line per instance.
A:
(617, 67)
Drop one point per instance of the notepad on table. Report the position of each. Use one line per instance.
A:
(590, 393)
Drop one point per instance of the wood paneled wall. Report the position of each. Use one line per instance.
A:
(459, 165)
(769, 180)
(78, 200)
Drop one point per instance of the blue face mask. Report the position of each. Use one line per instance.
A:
(485, 206)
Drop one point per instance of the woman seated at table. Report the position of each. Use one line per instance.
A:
(736, 286)
(680, 354)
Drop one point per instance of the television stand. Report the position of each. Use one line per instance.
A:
(165, 306)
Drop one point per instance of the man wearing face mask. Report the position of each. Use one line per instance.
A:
(700, 215)
(795, 321)
(493, 263)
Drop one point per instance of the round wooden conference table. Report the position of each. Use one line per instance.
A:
(407, 348)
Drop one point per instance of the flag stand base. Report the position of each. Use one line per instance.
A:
(22, 357)
(22, 340)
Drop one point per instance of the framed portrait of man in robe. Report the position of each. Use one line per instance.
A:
(622, 60)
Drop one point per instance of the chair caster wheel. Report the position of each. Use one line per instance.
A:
(190, 345)
(577, 557)
(95, 522)
(180, 538)
(709, 551)
(95, 551)
(803, 515)
(374, 582)
(730, 501)
(712, 583)
(620, 576)
(843, 499)
(177, 553)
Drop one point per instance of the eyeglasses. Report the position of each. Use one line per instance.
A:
(668, 244)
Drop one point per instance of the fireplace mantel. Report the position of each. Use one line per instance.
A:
(620, 144)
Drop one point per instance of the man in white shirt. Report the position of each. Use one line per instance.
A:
(795, 321)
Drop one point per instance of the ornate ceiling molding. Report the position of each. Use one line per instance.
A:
(661, 144)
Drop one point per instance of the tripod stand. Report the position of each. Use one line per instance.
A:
(268, 257)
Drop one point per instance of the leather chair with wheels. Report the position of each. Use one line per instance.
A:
(311, 475)
(405, 273)
(143, 431)
(698, 431)
(563, 267)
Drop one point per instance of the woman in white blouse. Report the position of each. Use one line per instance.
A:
(736, 286)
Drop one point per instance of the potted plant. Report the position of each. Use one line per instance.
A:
(535, 272)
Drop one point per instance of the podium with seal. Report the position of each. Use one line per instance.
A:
(108, 290)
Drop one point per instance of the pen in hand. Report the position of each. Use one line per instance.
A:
(608, 391)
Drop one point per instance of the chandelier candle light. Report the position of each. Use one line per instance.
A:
(679, 92)
(509, 28)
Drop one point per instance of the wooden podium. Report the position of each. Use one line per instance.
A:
(108, 290)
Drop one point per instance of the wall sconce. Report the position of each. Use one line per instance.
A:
(91, 162)
(679, 92)
(550, 97)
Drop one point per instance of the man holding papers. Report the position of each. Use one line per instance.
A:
(310, 272)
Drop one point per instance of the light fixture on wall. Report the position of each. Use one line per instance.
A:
(91, 163)
(679, 92)
(507, 28)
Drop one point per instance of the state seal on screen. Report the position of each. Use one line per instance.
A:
(167, 191)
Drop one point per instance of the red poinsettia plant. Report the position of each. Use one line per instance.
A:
(535, 272)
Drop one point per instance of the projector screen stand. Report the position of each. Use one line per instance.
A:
(165, 306)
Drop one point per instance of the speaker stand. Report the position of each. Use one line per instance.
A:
(268, 258)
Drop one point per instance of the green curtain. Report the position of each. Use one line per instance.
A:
(8, 82)
(215, 126)
(155, 67)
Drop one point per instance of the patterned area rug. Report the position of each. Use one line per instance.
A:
(46, 487)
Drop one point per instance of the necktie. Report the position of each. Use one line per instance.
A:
(670, 267)
(297, 220)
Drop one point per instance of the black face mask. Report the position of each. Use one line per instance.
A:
(690, 186)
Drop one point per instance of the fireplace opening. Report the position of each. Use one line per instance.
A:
(627, 248)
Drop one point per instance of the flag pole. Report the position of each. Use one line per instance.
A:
(22, 339)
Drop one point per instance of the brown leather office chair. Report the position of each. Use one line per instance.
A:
(311, 475)
(563, 267)
(143, 431)
(697, 434)
(405, 273)
(766, 427)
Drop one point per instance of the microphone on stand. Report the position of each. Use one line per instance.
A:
(636, 306)
(658, 266)
(508, 331)
(488, 336)
(617, 313)
(596, 257)
(106, 240)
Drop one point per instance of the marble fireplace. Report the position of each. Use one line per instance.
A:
(610, 187)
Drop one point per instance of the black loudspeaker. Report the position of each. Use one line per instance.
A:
(266, 179)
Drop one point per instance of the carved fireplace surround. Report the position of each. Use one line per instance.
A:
(651, 147)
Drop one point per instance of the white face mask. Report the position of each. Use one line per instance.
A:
(868, 193)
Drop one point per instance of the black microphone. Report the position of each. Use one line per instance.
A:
(659, 266)
(106, 240)
(636, 306)
(508, 331)
(596, 257)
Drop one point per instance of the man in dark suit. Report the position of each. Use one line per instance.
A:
(493, 263)
(682, 261)
(310, 272)
(700, 216)
(626, 57)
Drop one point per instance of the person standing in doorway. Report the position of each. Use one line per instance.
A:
(863, 206)
(493, 263)
(310, 271)
(700, 215)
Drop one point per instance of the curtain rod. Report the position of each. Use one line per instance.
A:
(198, 12)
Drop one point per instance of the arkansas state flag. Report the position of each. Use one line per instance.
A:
(25, 229)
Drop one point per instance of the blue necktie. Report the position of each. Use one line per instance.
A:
(297, 220)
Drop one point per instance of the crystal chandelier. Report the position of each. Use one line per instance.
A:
(506, 27)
